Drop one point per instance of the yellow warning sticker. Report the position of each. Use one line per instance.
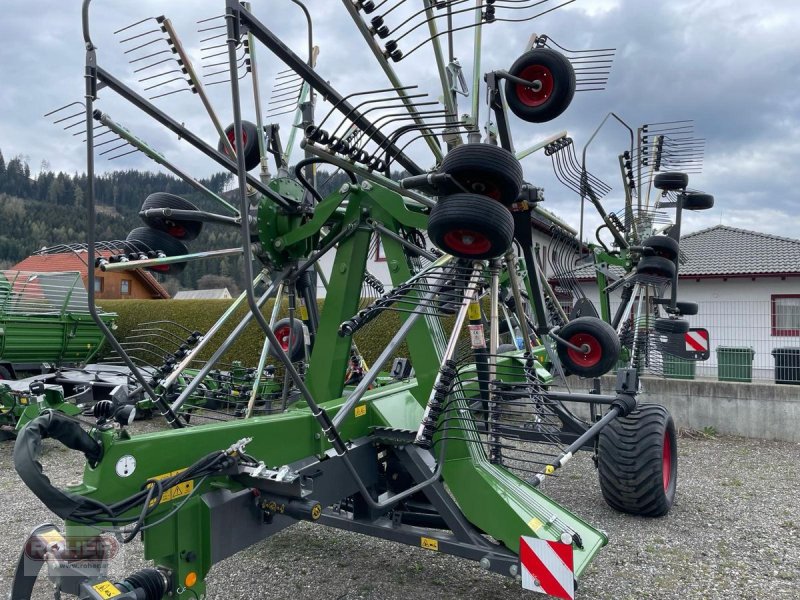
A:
(474, 312)
(535, 524)
(106, 589)
(429, 543)
(303, 312)
(176, 492)
(52, 536)
(361, 410)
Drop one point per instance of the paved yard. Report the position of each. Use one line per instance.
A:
(732, 534)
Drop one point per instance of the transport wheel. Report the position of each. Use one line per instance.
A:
(483, 169)
(553, 85)
(687, 308)
(252, 155)
(601, 342)
(470, 226)
(182, 229)
(662, 245)
(5, 374)
(638, 462)
(671, 326)
(697, 201)
(291, 336)
(656, 265)
(146, 239)
(671, 181)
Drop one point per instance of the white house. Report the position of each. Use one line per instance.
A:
(747, 285)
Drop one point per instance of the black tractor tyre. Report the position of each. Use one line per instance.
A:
(556, 78)
(638, 462)
(603, 347)
(180, 228)
(5, 373)
(687, 308)
(482, 169)
(697, 201)
(471, 227)
(146, 239)
(252, 153)
(668, 326)
(662, 245)
(656, 265)
(291, 336)
(671, 181)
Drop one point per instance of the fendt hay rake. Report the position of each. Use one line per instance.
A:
(451, 459)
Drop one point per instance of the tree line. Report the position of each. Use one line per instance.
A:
(49, 209)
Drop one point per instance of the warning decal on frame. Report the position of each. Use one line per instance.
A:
(176, 492)
(429, 543)
(476, 337)
(361, 410)
(106, 589)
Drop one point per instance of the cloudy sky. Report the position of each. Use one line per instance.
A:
(733, 66)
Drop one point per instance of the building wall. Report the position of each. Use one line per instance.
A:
(112, 284)
(737, 313)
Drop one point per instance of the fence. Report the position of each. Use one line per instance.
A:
(765, 334)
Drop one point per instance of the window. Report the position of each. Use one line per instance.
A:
(98, 284)
(785, 314)
(125, 286)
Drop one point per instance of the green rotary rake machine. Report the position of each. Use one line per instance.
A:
(451, 459)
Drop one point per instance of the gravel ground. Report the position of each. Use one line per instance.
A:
(731, 534)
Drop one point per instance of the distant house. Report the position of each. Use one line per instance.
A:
(216, 294)
(136, 284)
(747, 285)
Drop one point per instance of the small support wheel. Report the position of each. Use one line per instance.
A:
(599, 343)
(483, 169)
(250, 133)
(671, 181)
(656, 265)
(662, 245)
(687, 308)
(291, 337)
(697, 201)
(470, 226)
(146, 239)
(552, 89)
(638, 462)
(677, 326)
(182, 229)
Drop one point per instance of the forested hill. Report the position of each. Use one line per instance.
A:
(48, 208)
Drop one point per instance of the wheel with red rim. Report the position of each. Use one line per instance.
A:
(551, 89)
(482, 169)
(252, 153)
(147, 239)
(593, 348)
(470, 226)
(638, 462)
(181, 229)
(291, 337)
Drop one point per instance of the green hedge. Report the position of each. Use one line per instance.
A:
(200, 315)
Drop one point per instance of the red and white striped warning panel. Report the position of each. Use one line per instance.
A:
(697, 343)
(696, 340)
(547, 567)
